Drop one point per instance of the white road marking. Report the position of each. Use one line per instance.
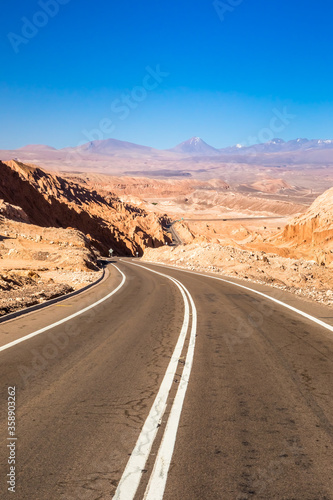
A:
(294, 309)
(132, 475)
(155, 489)
(158, 478)
(68, 318)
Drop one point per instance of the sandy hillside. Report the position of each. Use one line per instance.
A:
(297, 258)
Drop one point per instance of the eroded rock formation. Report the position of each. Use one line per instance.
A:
(48, 200)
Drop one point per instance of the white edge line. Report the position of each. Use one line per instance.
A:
(68, 318)
(132, 474)
(294, 309)
(157, 481)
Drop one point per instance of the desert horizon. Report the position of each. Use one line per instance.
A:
(255, 215)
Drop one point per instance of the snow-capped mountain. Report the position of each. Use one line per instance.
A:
(195, 147)
(114, 155)
(279, 146)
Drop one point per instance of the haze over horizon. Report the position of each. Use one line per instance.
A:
(158, 74)
(277, 141)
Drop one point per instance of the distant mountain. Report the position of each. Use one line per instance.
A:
(279, 146)
(238, 148)
(111, 147)
(195, 147)
(36, 147)
(189, 157)
(315, 143)
(192, 147)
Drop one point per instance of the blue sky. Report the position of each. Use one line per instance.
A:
(157, 73)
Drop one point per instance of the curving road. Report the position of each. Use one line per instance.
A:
(219, 219)
(175, 386)
(176, 239)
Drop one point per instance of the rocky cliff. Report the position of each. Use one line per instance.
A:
(49, 200)
(311, 234)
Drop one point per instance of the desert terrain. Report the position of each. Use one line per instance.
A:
(294, 254)
(237, 213)
(53, 233)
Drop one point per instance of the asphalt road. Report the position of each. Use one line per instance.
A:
(176, 240)
(248, 413)
(219, 219)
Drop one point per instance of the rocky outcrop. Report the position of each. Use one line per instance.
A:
(12, 212)
(48, 200)
(312, 232)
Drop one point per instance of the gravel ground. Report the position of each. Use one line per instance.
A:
(20, 289)
(301, 277)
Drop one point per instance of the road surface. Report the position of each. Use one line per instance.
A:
(176, 240)
(235, 218)
(188, 388)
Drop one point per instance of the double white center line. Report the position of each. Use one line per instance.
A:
(132, 475)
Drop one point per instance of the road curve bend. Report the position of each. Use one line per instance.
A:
(167, 384)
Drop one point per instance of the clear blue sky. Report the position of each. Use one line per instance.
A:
(226, 73)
